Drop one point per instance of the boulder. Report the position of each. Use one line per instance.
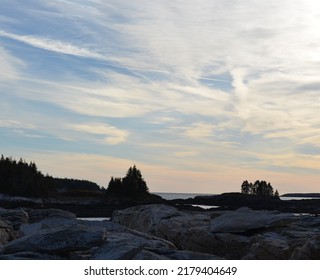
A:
(133, 246)
(60, 240)
(309, 251)
(188, 231)
(52, 223)
(244, 219)
(239, 234)
(56, 238)
(40, 214)
(146, 218)
(269, 246)
(16, 217)
(6, 233)
(46, 224)
(127, 246)
(159, 232)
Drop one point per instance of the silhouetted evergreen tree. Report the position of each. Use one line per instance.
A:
(132, 184)
(22, 179)
(115, 186)
(245, 187)
(261, 188)
(65, 184)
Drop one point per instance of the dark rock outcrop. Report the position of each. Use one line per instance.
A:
(159, 232)
(58, 241)
(101, 205)
(59, 235)
(16, 217)
(240, 234)
(245, 219)
(6, 232)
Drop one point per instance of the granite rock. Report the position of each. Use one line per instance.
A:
(6, 232)
(59, 240)
(15, 217)
(244, 219)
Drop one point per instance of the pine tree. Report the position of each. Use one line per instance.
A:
(132, 184)
(261, 188)
(115, 186)
(245, 187)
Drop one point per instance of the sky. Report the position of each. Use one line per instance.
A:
(199, 95)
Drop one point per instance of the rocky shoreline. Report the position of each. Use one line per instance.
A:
(159, 231)
(242, 227)
(102, 206)
(52, 234)
(233, 201)
(95, 206)
(232, 234)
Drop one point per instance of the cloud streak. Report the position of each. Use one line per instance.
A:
(10, 66)
(52, 45)
(112, 135)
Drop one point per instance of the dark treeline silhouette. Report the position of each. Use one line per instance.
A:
(19, 178)
(260, 188)
(65, 184)
(132, 184)
(22, 178)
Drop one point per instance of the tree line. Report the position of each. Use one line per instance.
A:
(261, 188)
(19, 178)
(22, 178)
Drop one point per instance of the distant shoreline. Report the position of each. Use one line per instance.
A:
(301, 195)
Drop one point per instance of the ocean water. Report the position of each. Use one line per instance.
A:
(170, 196)
(179, 195)
(296, 197)
(95, 219)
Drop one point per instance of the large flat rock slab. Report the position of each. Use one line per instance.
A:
(245, 219)
(58, 240)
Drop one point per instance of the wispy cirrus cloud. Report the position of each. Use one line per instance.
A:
(10, 66)
(112, 135)
(16, 124)
(52, 45)
(231, 83)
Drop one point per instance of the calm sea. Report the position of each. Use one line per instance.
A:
(178, 195)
